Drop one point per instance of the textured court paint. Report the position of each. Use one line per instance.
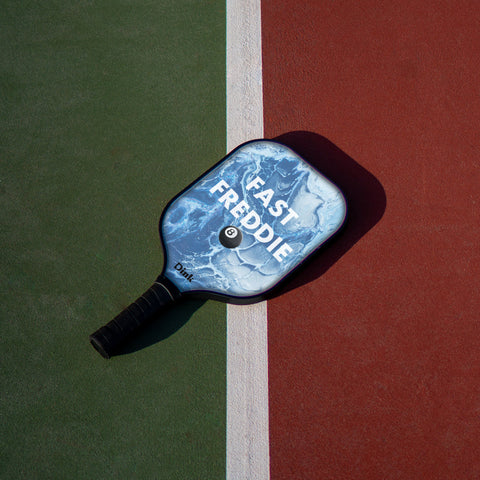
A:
(374, 367)
(247, 356)
(107, 110)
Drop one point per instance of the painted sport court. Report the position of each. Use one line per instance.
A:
(108, 110)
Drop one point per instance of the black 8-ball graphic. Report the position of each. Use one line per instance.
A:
(230, 237)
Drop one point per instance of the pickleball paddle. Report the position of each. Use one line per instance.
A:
(235, 233)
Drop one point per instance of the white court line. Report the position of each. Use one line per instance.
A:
(247, 354)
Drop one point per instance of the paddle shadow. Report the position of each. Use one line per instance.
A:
(365, 196)
(161, 327)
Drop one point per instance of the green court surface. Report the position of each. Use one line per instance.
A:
(107, 109)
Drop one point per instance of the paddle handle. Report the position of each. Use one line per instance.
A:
(107, 339)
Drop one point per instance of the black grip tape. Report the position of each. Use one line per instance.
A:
(107, 339)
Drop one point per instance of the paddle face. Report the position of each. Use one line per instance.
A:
(242, 227)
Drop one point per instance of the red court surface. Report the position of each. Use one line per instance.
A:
(374, 352)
